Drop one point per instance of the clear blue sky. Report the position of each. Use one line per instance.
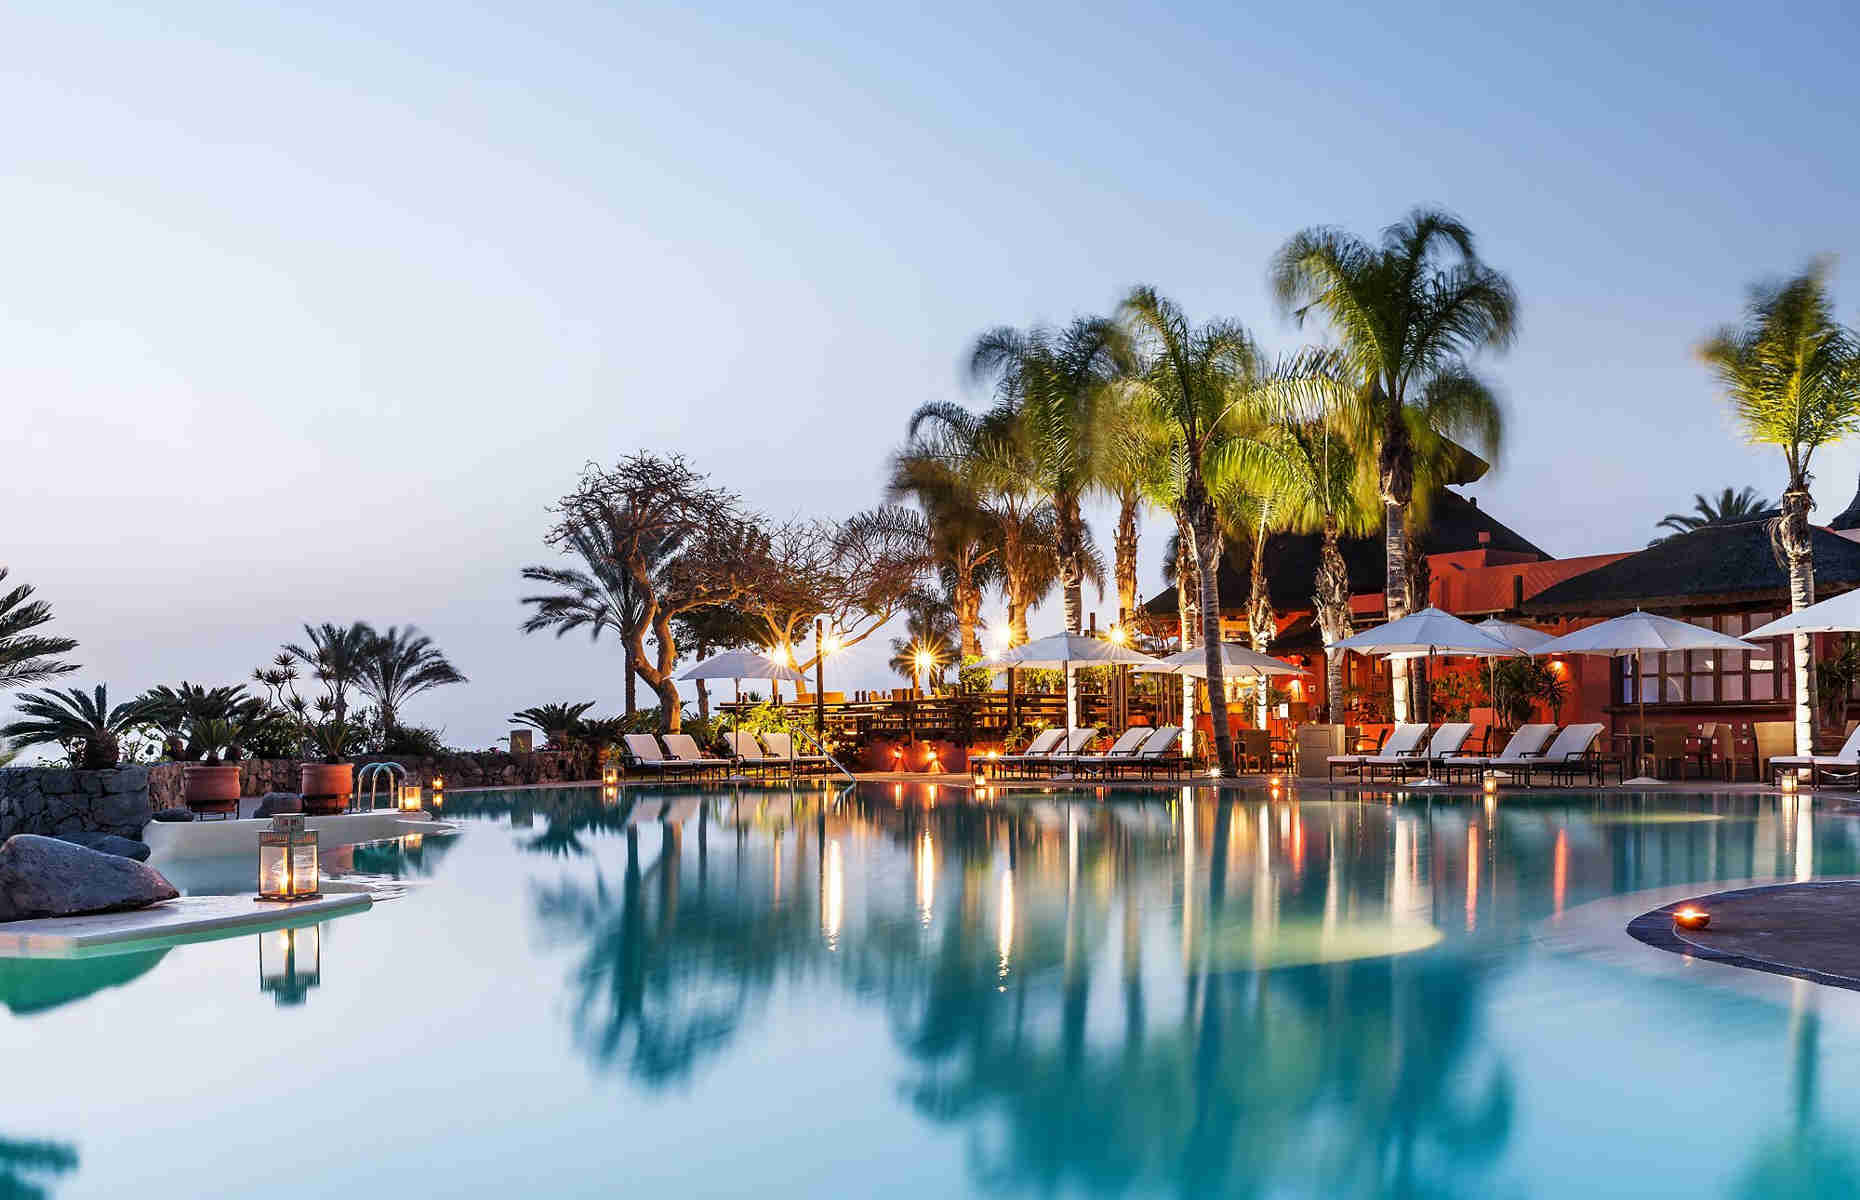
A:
(308, 314)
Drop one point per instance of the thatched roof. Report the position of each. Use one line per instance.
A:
(1456, 523)
(1714, 564)
(1849, 517)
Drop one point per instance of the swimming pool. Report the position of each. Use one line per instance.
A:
(886, 990)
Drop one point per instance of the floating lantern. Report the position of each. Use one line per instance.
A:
(287, 862)
(1691, 918)
(410, 798)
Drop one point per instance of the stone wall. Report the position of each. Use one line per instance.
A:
(53, 800)
(490, 768)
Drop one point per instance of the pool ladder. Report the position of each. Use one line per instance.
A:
(372, 774)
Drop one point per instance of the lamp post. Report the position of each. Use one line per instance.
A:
(820, 680)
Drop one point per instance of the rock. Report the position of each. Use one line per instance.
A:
(46, 877)
(274, 803)
(109, 843)
(174, 814)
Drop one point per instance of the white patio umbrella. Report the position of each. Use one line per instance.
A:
(1634, 634)
(1067, 650)
(1836, 614)
(1237, 662)
(736, 666)
(1424, 634)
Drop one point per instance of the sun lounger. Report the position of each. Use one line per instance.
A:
(1445, 743)
(748, 752)
(1403, 741)
(781, 746)
(1040, 749)
(1068, 751)
(1845, 762)
(1161, 751)
(1572, 753)
(1524, 750)
(1124, 750)
(642, 750)
(685, 750)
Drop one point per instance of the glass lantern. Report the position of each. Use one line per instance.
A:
(290, 963)
(410, 797)
(287, 862)
(610, 775)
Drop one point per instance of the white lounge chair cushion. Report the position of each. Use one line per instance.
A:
(684, 749)
(645, 748)
(1161, 741)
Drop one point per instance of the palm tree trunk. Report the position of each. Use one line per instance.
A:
(1071, 570)
(1791, 531)
(1126, 555)
(1332, 604)
(1395, 589)
(1208, 557)
(703, 691)
(1188, 609)
(968, 604)
(1261, 623)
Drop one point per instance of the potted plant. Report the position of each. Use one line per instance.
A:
(327, 785)
(212, 785)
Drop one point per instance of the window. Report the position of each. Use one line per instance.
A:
(1709, 677)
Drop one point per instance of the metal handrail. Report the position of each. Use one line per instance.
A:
(826, 754)
(371, 773)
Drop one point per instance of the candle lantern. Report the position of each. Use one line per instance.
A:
(610, 794)
(439, 783)
(290, 963)
(1490, 783)
(1789, 782)
(1691, 918)
(287, 863)
(610, 775)
(410, 798)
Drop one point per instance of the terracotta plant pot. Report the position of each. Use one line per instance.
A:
(207, 789)
(326, 787)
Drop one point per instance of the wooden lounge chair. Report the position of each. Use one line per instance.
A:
(781, 746)
(1573, 753)
(1403, 741)
(1040, 749)
(1445, 743)
(1844, 764)
(685, 749)
(1524, 749)
(642, 751)
(1122, 751)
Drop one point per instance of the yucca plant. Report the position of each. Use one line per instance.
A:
(83, 724)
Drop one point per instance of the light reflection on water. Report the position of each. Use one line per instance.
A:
(809, 993)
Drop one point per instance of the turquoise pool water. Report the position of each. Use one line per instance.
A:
(890, 992)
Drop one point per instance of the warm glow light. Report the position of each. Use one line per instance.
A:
(287, 861)
(439, 783)
(924, 660)
(1789, 781)
(832, 896)
(831, 645)
(926, 877)
(410, 797)
(1490, 783)
(1691, 918)
(1118, 635)
(1004, 935)
(610, 775)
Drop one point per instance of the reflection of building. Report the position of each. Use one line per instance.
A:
(290, 963)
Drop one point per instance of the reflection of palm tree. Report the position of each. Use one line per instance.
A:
(1807, 1159)
(19, 1159)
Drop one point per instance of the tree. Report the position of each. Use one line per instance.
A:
(84, 724)
(1728, 506)
(942, 475)
(27, 657)
(1408, 320)
(640, 506)
(856, 574)
(601, 597)
(710, 630)
(929, 643)
(1052, 390)
(336, 657)
(1194, 378)
(1792, 375)
(398, 665)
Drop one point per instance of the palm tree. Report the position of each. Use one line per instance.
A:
(1195, 378)
(398, 665)
(85, 724)
(556, 722)
(601, 598)
(1408, 323)
(1792, 375)
(27, 657)
(1726, 507)
(336, 657)
(928, 645)
(942, 474)
(1052, 389)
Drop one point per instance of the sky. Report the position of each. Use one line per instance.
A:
(308, 313)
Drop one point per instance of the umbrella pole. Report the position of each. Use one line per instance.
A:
(1640, 744)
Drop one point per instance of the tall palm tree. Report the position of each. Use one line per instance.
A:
(400, 664)
(1727, 506)
(602, 597)
(336, 657)
(939, 471)
(1792, 375)
(1053, 389)
(1409, 311)
(1196, 377)
(27, 657)
(929, 630)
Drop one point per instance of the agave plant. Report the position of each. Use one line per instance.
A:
(84, 724)
(556, 722)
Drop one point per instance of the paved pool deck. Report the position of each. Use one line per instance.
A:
(1808, 930)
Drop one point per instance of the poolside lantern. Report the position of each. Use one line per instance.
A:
(410, 798)
(1489, 784)
(439, 783)
(1789, 782)
(1689, 917)
(287, 861)
(610, 775)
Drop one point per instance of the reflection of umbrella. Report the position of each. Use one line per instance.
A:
(1635, 633)
(1426, 633)
(1237, 662)
(1062, 650)
(736, 666)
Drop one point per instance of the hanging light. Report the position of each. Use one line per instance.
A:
(287, 861)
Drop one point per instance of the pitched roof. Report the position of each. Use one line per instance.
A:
(1456, 524)
(1730, 563)
(1849, 517)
